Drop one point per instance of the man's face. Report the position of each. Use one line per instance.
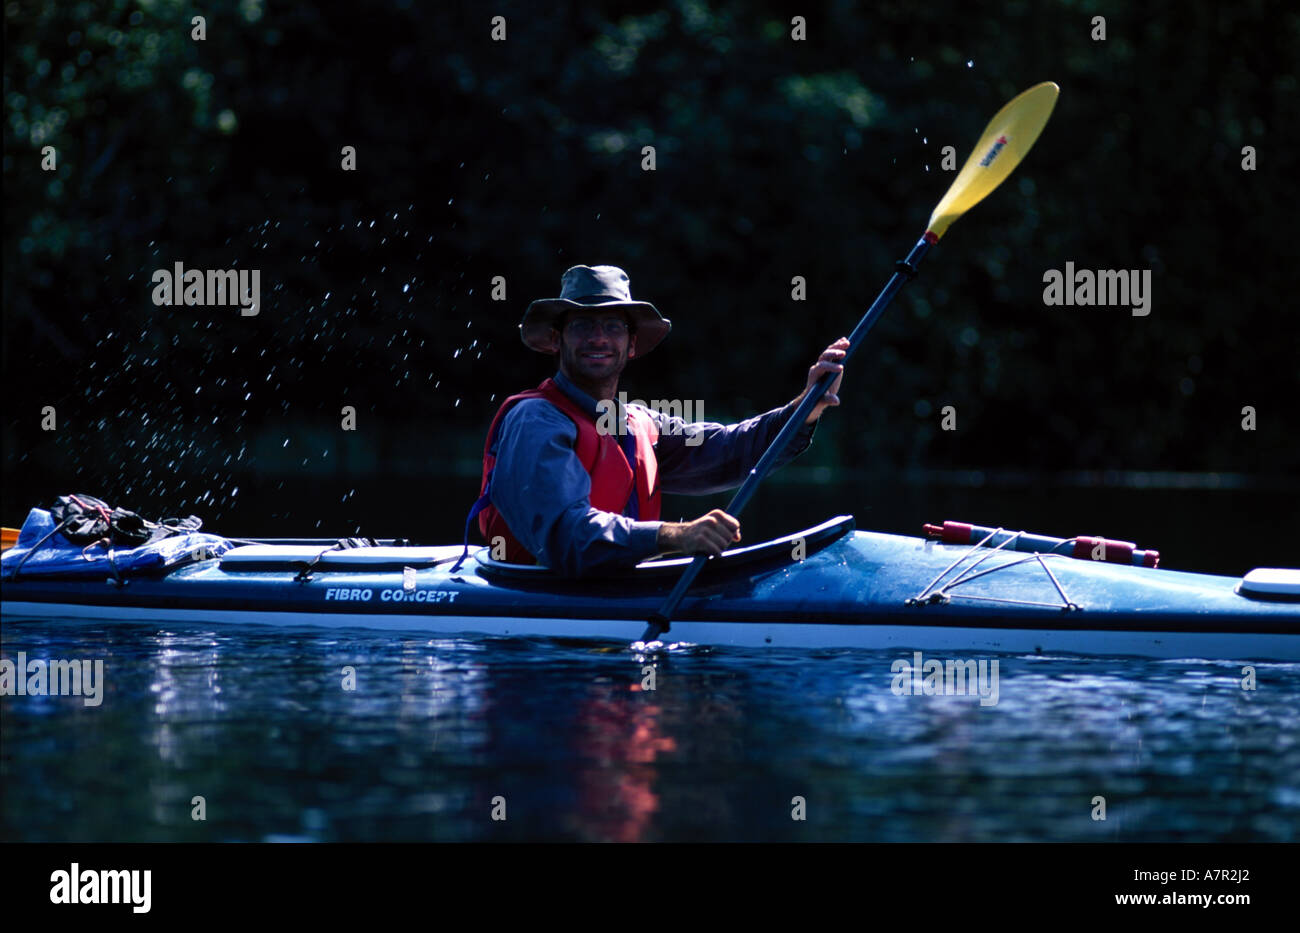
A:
(594, 346)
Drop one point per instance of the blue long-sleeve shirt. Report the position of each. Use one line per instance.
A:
(543, 492)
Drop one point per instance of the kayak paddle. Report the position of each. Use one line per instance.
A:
(1005, 141)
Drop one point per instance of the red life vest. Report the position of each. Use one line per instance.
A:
(613, 480)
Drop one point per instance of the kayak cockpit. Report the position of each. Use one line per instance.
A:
(789, 549)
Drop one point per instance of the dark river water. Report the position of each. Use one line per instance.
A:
(560, 742)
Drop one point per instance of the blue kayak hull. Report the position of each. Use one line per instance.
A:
(854, 590)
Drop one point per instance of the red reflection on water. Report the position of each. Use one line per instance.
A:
(619, 735)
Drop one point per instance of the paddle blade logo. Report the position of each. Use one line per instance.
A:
(993, 153)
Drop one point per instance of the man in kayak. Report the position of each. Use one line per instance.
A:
(561, 488)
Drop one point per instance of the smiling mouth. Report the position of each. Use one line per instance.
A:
(597, 356)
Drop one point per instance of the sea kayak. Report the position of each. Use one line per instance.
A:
(825, 587)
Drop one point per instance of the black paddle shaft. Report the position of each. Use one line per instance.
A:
(906, 271)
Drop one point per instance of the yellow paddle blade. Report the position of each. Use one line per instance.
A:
(8, 538)
(1006, 140)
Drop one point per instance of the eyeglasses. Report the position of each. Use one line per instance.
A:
(584, 327)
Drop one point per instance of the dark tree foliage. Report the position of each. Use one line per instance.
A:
(775, 158)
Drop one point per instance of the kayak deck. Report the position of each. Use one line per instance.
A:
(850, 590)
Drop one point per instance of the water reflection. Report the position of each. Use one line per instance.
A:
(308, 707)
(619, 735)
(185, 680)
(259, 723)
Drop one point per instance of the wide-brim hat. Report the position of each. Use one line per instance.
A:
(592, 288)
